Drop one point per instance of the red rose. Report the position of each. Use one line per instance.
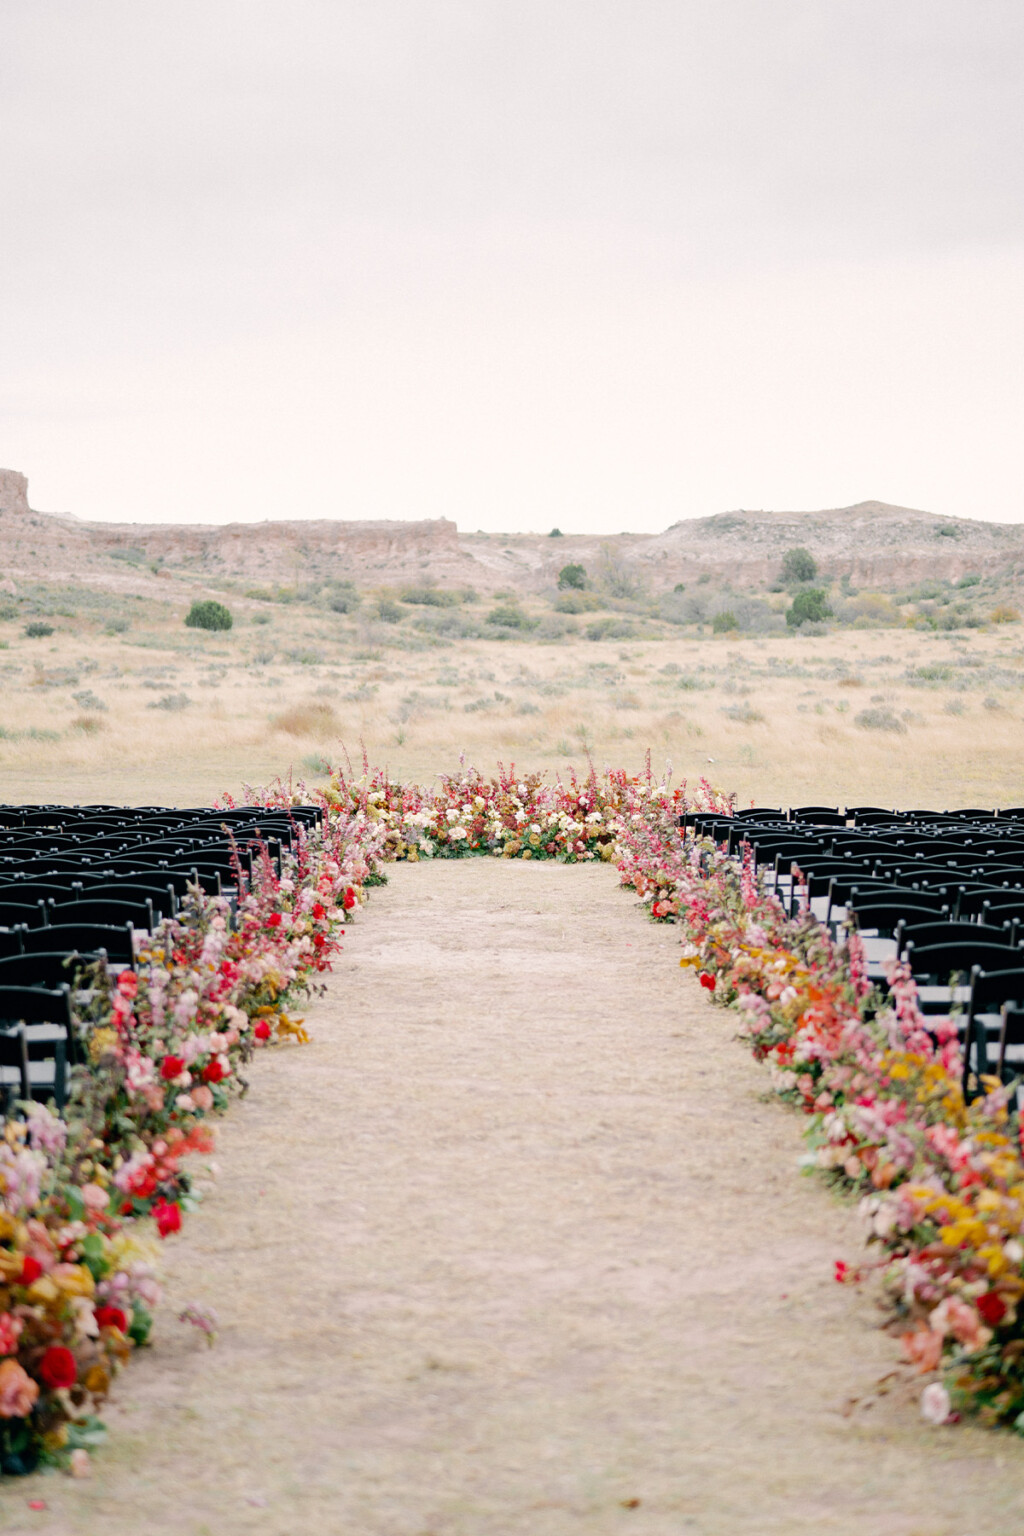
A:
(318, 941)
(707, 980)
(274, 920)
(992, 1308)
(112, 1317)
(262, 1030)
(171, 1067)
(319, 911)
(57, 1368)
(31, 1269)
(167, 1215)
(349, 899)
(214, 1071)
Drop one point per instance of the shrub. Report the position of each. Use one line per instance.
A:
(171, 702)
(746, 714)
(723, 622)
(798, 565)
(577, 602)
(947, 531)
(972, 579)
(508, 616)
(556, 533)
(809, 607)
(573, 576)
(610, 628)
(116, 627)
(37, 630)
(879, 720)
(680, 586)
(430, 597)
(1005, 614)
(87, 725)
(388, 610)
(209, 615)
(343, 598)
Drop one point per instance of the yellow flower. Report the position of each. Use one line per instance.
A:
(102, 1041)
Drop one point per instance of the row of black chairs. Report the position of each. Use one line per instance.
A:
(84, 883)
(943, 891)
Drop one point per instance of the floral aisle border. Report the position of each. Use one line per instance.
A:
(83, 1200)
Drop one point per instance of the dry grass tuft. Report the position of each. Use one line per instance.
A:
(309, 718)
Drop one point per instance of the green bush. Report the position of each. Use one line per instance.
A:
(809, 607)
(798, 565)
(556, 533)
(37, 630)
(430, 597)
(723, 622)
(572, 576)
(209, 615)
(343, 598)
(507, 616)
(389, 611)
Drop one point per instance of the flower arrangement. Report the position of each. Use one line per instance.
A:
(84, 1201)
(941, 1180)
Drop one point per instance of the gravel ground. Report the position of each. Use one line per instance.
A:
(518, 1245)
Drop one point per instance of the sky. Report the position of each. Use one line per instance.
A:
(594, 264)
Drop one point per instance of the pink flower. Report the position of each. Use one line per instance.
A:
(202, 1098)
(18, 1392)
(954, 1316)
(923, 1349)
(935, 1403)
(10, 1328)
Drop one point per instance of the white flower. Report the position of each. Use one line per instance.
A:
(935, 1403)
(1014, 1251)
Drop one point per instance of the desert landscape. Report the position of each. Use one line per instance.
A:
(420, 643)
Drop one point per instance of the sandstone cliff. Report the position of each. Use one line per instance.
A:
(872, 543)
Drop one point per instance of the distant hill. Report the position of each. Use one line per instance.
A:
(873, 543)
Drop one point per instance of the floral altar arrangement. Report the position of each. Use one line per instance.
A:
(85, 1200)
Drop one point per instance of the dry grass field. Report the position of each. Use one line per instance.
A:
(159, 712)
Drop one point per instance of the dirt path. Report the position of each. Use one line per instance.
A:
(517, 1248)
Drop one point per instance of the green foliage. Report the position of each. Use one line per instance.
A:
(37, 630)
(508, 616)
(343, 598)
(970, 580)
(723, 622)
(572, 576)
(209, 615)
(798, 564)
(556, 533)
(947, 531)
(430, 597)
(388, 610)
(680, 586)
(810, 606)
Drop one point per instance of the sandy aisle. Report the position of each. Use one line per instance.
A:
(514, 1245)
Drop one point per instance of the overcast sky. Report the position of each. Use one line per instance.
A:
(595, 263)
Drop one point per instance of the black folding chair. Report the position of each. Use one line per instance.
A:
(118, 940)
(37, 1042)
(49, 968)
